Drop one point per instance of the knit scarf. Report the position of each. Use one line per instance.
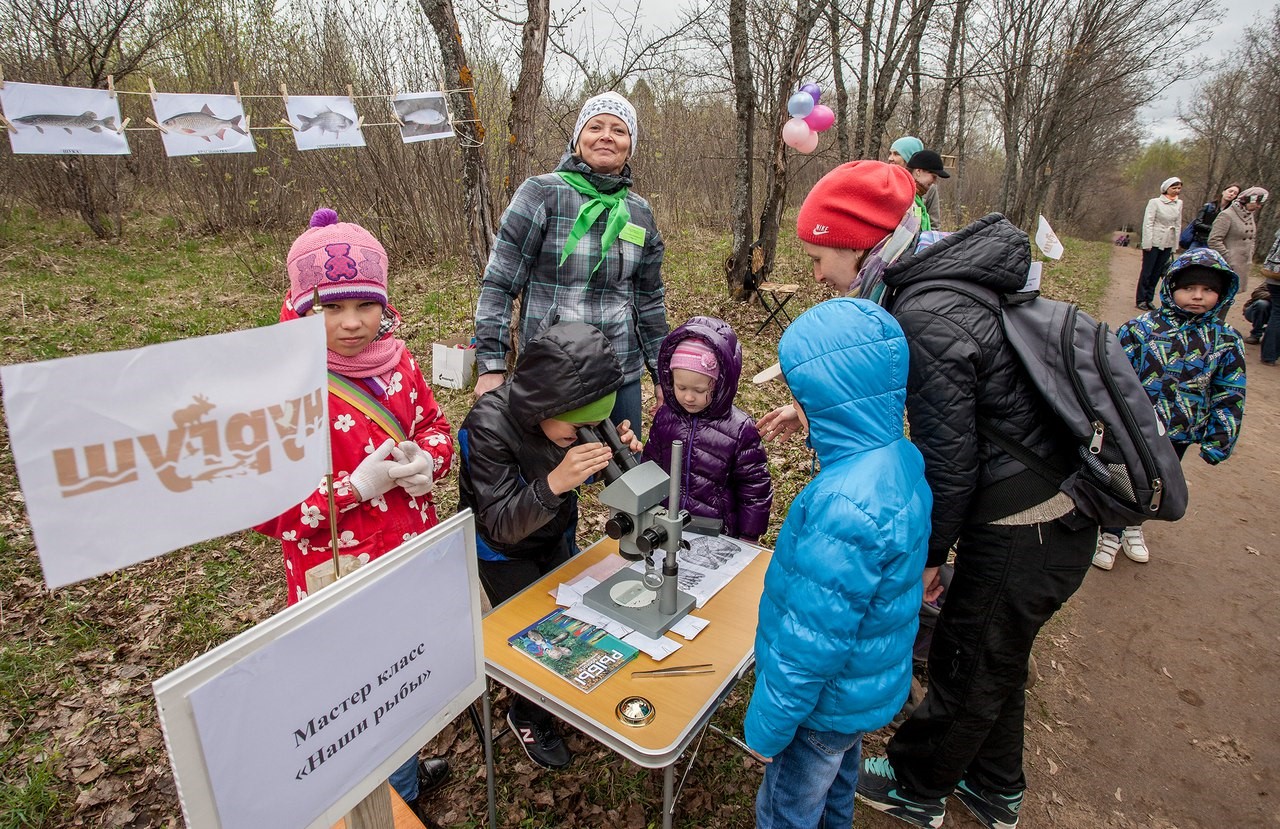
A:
(597, 203)
(869, 283)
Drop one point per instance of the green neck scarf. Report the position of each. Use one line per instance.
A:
(925, 222)
(615, 203)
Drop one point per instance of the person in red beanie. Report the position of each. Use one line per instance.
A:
(1021, 550)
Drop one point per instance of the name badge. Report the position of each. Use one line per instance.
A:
(633, 234)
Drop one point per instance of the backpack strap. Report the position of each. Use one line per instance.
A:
(1019, 452)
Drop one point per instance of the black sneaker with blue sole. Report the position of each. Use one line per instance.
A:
(879, 788)
(993, 810)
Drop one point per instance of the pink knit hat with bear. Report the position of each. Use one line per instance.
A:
(695, 355)
(337, 260)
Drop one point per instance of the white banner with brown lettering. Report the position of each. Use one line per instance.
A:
(126, 455)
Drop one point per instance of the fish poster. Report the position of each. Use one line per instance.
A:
(62, 120)
(202, 124)
(322, 121)
(423, 116)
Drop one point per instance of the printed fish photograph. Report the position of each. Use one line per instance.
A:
(423, 116)
(323, 121)
(62, 120)
(202, 124)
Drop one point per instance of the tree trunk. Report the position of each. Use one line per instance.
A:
(738, 271)
(860, 135)
(950, 80)
(86, 198)
(842, 94)
(475, 176)
(521, 134)
(776, 173)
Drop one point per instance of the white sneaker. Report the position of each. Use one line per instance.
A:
(1134, 545)
(1108, 547)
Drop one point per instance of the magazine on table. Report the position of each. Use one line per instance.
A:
(579, 653)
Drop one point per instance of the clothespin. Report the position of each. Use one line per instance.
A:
(350, 94)
(123, 124)
(111, 86)
(289, 124)
(2, 81)
(236, 86)
(360, 122)
(246, 122)
(152, 90)
(284, 92)
(158, 126)
(8, 126)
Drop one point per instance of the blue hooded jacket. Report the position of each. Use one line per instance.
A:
(842, 593)
(1192, 365)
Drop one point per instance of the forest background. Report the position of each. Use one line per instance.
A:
(1037, 104)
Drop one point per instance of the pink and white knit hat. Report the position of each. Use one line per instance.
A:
(338, 260)
(695, 355)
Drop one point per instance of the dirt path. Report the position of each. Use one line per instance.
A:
(1157, 707)
(1163, 701)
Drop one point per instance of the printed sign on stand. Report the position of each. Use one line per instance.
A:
(295, 721)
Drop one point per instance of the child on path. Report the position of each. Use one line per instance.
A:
(1192, 366)
(521, 465)
(388, 439)
(725, 468)
(842, 593)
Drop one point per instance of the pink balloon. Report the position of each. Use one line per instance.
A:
(795, 132)
(810, 144)
(821, 118)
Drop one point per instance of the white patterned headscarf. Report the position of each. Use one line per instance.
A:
(607, 103)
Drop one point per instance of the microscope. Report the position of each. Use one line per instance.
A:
(643, 528)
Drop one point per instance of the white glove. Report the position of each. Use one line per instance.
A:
(373, 476)
(415, 469)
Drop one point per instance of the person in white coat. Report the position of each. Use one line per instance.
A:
(1160, 225)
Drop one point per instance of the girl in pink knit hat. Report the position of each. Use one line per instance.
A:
(725, 468)
(389, 440)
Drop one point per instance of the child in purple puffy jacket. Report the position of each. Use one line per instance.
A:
(726, 474)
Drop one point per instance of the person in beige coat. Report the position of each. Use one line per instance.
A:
(1160, 225)
(1234, 233)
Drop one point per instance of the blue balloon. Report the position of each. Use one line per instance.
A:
(800, 104)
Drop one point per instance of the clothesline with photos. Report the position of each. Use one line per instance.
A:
(64, 120)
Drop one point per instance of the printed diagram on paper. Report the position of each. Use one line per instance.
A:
(710, 563)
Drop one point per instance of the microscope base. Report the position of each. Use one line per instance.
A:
(646, 619)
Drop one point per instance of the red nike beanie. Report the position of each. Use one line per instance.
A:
(856, 205)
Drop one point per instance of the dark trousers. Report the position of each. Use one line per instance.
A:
(503, 579)
(1008, 581)
(1154, 261)
(1271, 340)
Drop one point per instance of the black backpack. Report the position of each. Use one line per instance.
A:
(1128, 471)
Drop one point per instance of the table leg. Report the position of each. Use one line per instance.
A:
(668, 790)
(488, 758)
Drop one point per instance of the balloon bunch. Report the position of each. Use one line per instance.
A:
(808, 118)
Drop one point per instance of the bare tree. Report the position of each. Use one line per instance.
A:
(527, 95)
(475, 175)
(775, 189)
(740, 267)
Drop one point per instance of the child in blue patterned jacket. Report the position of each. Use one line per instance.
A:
(1192, 366)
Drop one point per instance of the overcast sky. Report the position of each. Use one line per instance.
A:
(1220, 39)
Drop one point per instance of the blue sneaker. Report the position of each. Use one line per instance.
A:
(994, 811)
(880, 789)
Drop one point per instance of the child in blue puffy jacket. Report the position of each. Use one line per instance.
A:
(842, 593)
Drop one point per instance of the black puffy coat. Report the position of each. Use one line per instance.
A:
(506, 456)
(962, 367)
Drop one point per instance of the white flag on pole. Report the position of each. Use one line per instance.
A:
(126, 455)
(1047, 240)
